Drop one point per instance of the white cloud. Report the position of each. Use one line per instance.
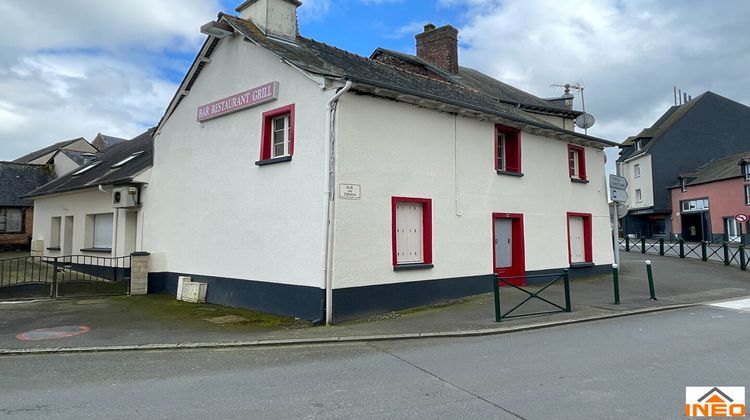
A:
(78, 67)
(627, 54)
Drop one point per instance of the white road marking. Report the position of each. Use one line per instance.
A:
(739, 304)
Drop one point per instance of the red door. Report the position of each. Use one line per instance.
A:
(508, 249)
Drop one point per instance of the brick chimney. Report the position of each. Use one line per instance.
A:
(439, 46)
(274, 17)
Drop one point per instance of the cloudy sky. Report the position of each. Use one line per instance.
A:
(74, 68)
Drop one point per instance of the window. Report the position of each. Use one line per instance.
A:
(100, 236)
(54, 234)
(747, 195)
(411, 230)
(86, 169)
(577, 162)
(126, 160)
(507, 150)
(638, 196)
(746, 171)
(277, 139)
(683, 184)
(11, 220)
(695, 205)
(638, 145)
(579, 238)
(637, 170)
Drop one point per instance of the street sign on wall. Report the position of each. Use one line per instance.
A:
(741, 218)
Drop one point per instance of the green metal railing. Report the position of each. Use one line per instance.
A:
(508, 281)
(725, 253)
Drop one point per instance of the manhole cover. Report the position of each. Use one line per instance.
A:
(226, 319)
(53, 333)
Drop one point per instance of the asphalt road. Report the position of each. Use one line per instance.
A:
(633, 367)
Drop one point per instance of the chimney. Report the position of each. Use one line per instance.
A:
(439, 46)
(277, 18)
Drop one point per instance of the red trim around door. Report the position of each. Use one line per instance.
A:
(519, 249)
(587, 248)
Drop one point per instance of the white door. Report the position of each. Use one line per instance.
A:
(732, 228)
(577, 243)
(503, 243)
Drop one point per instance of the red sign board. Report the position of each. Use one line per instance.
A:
(243, 100)
(742, 218)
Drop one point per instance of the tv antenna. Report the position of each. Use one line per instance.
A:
(584, 120)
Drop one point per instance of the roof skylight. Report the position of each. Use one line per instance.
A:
(126, 160)
(86, 168)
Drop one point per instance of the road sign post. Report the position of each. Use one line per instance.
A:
(617, 186)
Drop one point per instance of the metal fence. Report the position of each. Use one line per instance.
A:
(726, 253)
(530, 295)
(72, 275)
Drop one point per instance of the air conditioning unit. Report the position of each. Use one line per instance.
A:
(125, 197)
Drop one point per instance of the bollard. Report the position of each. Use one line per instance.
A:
(704, 251)
(661, 247)
(616, 282)
(496, 288)
(726, 253)
(682, 248)
(743, 262)
(650, 280)
(627, 243)
(566, 283)
(643, 244)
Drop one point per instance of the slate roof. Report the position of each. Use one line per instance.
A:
(111, 140)
(46, 150)
(661, 127)
(18, 179)
(327, 61)
(104, 174)
(718, 169)
(76, 156)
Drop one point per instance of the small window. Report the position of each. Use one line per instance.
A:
(54, 234)
(683, 184)
(638, 145)
(637, 170)
(747, 195)
(101, 231)
(638, 196)
(126, 160)
(277, 139)
(695, 205)
(411, 227)
(746, 171)
(576, 162)
(507, 150)
(86, 169)
(11, 220)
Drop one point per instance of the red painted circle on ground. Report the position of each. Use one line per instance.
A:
(53, 333)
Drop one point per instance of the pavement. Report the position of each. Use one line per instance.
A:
(159, 322)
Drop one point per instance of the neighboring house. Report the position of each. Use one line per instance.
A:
(95, 210)
(63, 156)
(297, 178)
(16, 213)
(705, 202)
(685, 137)
(102, 141)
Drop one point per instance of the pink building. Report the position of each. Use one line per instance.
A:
(705, 203)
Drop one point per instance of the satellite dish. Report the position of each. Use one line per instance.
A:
(585, 121)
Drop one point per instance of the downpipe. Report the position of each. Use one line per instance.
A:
(326, 304)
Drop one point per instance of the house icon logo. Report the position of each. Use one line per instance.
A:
(717, 401)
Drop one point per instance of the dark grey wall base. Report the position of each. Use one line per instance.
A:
(281, 299)
(349, 303)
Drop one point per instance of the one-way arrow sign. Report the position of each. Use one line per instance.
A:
(617, 182)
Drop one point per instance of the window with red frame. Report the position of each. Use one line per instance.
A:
(277, 141)
(576, 162)
(579, 238)
(411, 232)
(507, 150)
